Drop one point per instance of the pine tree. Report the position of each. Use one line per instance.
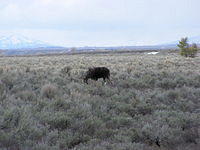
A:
(186, 49)
(183, 45)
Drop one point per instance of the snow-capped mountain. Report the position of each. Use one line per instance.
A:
(21, 42)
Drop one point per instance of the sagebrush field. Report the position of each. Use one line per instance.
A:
(152, 104)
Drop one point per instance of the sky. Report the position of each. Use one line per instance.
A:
(74, 23)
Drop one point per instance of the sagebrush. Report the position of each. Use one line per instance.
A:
(152, 103)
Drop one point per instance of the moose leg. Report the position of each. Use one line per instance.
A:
(109, 80)
(104, 81)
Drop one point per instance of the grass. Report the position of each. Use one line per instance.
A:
(153, 103)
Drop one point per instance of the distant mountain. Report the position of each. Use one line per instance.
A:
(15, 42)
(195, 39)
(173, 45)
(20, 45)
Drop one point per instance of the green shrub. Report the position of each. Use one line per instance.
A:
(8, 81)
(27, 95)
(66, 70)
(186, 49)
(49, 91)
(58, 120)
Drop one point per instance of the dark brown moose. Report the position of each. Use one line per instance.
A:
(96, 73)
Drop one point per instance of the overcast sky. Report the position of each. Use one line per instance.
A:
(101, 22)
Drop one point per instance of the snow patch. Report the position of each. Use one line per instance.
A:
(152, 53)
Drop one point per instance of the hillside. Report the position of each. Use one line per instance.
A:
(153, 103)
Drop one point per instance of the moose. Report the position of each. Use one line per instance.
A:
(97, 72)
